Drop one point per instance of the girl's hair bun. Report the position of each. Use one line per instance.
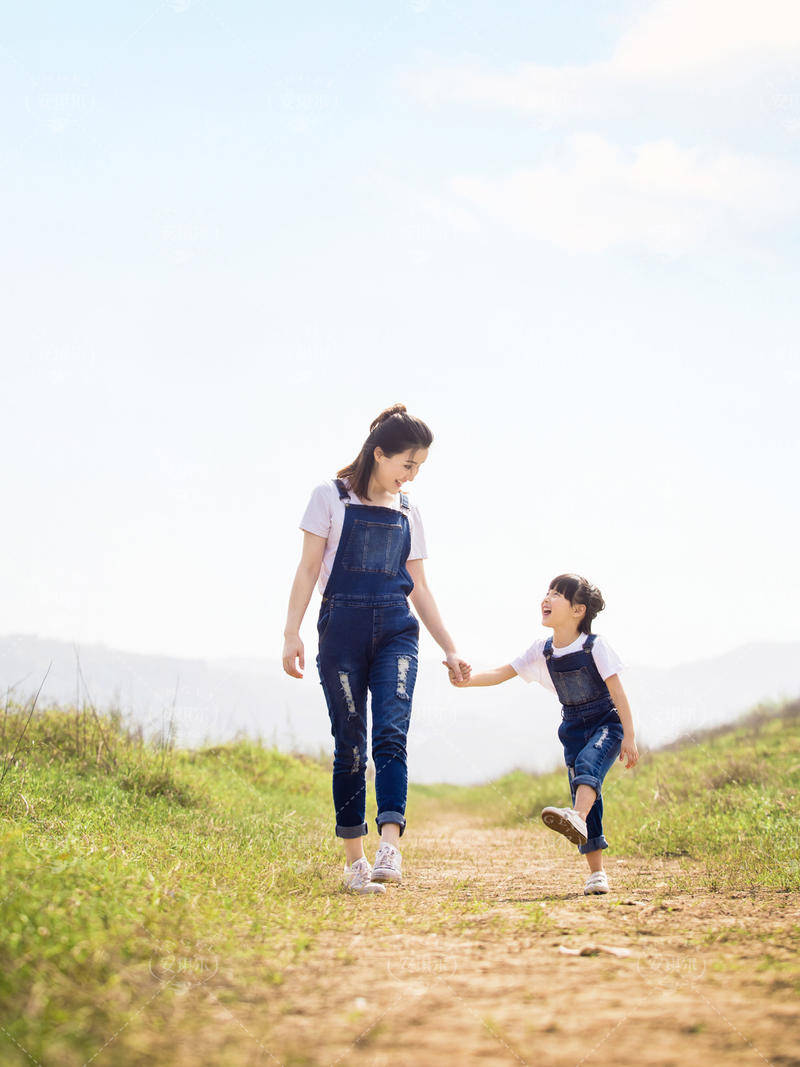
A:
(579, 590)
(395, 409)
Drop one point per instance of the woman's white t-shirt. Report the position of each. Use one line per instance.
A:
(324, 517)
(531, 666)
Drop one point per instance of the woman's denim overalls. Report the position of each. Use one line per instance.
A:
(369, 638)
(590, 731)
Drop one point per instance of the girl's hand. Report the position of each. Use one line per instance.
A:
(465, 683)
(629, 752)
(459, 670)
(293, 649)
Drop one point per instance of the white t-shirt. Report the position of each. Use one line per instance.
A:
(531, 666)
(324, 516)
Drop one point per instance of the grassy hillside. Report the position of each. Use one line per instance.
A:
(729, 797)
(129, 867)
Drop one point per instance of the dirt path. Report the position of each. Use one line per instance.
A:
(462, 964)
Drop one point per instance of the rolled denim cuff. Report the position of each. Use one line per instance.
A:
(587, 779)
(391, 816)
(593, 844)
(352, 831)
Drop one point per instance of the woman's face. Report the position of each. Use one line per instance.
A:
(392, 472)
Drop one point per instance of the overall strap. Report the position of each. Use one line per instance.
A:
(548, 648)
(404, 504)
(587, 644)
(343, 493)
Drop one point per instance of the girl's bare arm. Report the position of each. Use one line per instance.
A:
(629, 752)
(493, 677)
(303, 586)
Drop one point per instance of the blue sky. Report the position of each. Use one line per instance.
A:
(565, 235)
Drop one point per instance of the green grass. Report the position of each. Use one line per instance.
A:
(727, 797)
(132, 870)
(122, 859)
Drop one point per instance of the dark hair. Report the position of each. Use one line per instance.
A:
(579, 590)
(393, 431)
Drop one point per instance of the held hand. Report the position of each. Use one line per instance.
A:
(458, 668)
(629, 752)
(293, 649)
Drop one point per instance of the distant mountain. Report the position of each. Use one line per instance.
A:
(456, 736)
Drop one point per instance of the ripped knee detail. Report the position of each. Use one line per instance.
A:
(601, 738)
(344, 678)
(404, 664)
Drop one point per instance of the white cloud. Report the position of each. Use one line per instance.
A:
(680, 35)
(705, 49)
(591, 195)
(683, 67)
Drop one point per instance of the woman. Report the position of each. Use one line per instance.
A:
(366, 552)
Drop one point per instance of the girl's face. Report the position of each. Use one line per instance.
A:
(557, 610)
(392, 472)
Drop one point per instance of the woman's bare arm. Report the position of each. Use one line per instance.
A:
(303, 586)
(427, 609)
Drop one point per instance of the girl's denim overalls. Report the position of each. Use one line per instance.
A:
(369, 638)
(590, 731)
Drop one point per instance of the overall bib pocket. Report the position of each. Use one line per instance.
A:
(574, 687)
(373, 547)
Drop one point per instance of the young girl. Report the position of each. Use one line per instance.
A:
(366, 553)
(596, 723)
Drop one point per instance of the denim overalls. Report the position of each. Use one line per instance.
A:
(369, 638)
(590, 731)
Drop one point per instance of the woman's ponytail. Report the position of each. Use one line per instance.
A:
(395, 409)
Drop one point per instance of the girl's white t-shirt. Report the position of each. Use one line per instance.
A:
(531, 666)
(324, 517)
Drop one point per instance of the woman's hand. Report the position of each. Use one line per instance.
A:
(459, 669)
(629, 752)
(293, 649)
(465, 683)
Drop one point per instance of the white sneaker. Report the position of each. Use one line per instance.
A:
(358, 878)
(387, 864)
(597, 882)
(568, 822)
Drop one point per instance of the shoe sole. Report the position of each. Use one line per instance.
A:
(557, 822)
(593, 892)
(381, 875)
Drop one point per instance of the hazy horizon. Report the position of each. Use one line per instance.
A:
(455, 736)
(275, 663)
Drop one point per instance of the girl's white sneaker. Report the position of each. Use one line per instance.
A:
(387, 864)
(567, 822)
(597, 882)
(358, 878)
